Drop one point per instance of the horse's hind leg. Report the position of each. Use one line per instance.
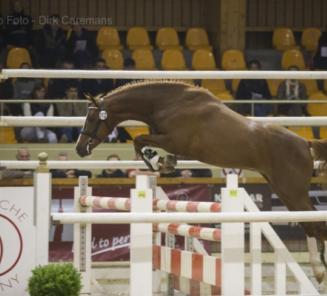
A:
(142, 146)
(295, 197)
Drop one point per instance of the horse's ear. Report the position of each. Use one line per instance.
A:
(89, 97)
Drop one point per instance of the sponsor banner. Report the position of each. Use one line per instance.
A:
(17, 239)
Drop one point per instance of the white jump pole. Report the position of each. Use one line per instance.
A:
(232, 240)
(141, 238)
(137, 74)
(82, 238)
(42, 204)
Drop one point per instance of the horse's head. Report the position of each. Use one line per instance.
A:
(96, 127)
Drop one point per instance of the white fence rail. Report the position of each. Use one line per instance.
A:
(123, 74)
(95, 164)
(127, 218)
(102, 164)
(57, 121)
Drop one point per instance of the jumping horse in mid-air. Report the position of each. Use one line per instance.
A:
(189, 121)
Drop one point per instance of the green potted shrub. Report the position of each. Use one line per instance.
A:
(58, 279)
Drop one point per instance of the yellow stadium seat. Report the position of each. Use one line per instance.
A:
(135, 131)
(138, 38)
(303, 131)
(197, 38)
(319, 109)
(216, 86)
(7, 135)
(143, 59)
(108, 38)
(273, 85)
(114, 59)
(283, 39)
(293, 57)
(310, 38)
(311, 86)
(233, 59)
(167, 38)
(235, 84)
(225, 96)
(323, 132)
(17, 56)
(203, 59)
(173, 59)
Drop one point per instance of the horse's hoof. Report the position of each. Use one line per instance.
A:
(152, 159)
(320, 277)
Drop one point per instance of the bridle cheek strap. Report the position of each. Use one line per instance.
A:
(102, 118)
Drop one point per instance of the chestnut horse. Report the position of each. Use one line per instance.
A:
(189, 121)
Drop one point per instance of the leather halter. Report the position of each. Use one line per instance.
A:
(103, 115)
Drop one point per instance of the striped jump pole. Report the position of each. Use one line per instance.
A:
(124, 204)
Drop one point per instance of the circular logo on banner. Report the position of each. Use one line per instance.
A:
(11, 245)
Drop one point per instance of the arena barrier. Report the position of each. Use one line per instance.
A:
(215, 274)
(231, 235)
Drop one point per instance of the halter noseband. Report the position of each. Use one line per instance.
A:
(103, 115)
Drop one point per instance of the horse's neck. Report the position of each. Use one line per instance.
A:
(131, 106)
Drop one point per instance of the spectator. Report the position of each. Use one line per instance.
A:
(112, 173)
(253, 89)
(2, 39)
(292, 89)
(18, 27)
(23, 88)
(69, 173)
(129, 64)
(70, 134)
(22, 154)
(6, 92)
(320, 57)
(51, 43)
(81, 47)
(57, 87)
(37, 109)
(98, 86)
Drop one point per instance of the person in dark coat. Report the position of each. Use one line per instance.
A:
(81, 47)
(68, 173)
(18, 27)
(320, 57)
(51, 43)
(253, 89)
(112, 173)
(57, 87)
(97, 86)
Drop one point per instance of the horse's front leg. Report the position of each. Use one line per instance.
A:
(153, 160)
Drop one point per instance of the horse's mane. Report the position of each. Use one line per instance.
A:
(137, 83)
